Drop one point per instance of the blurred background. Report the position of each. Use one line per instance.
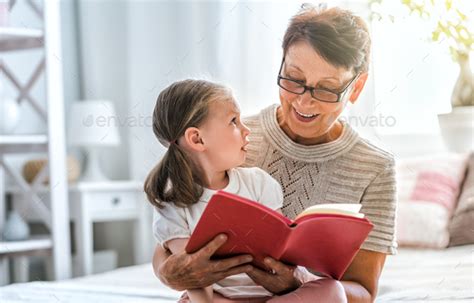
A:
(120, 54)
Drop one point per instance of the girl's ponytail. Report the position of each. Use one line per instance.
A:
(173, 180)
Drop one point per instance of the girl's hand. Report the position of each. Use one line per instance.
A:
(187, 271)
(281, 281)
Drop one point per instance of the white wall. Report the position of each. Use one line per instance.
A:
(103, 49)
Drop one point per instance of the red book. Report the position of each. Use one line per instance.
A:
(324, 242)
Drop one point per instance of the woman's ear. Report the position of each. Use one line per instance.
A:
(193, 139)
(358, 86)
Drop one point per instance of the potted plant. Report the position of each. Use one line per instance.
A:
(452, 24)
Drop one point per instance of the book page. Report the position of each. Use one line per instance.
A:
(345, 209)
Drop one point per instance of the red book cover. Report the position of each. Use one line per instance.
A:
(325, 243)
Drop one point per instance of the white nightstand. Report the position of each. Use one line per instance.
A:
(90, 203)
(106, 202)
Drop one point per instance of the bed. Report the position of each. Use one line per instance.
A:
(413, 275)
(127, 284)
(416, 275)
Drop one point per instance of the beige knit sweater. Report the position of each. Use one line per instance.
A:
(347, 170)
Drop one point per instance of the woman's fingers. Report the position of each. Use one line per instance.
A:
(281, 280)
(207, 251)
(212, 276)
(279, 267)
(228, 263)
(270, 282)
(235, 271)
(258, 275)
(210, 248)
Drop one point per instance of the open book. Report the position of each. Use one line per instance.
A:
(324, 237)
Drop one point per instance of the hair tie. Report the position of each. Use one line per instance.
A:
(173, 142)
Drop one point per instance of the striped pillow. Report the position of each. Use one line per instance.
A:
(428, 190)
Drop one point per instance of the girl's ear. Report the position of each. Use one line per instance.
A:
(358, 86)
(193, 139)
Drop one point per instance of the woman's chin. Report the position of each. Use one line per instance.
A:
(307, 134)
(306, 130)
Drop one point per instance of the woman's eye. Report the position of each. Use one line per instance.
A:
(331, 90)
(302, 82)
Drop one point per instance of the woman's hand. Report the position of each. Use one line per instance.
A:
(187, 271)
(280, 281)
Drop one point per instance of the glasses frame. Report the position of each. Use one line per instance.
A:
(311, 89)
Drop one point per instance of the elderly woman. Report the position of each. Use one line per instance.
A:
(316, 158)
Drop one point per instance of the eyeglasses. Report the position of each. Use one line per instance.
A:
(323, 95)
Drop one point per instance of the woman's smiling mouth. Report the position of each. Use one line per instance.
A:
(304, 117)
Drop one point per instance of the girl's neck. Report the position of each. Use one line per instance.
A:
(216, 180)
(211, 178)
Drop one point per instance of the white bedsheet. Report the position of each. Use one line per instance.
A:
(416, 275)
(128, 284)
(411, 276)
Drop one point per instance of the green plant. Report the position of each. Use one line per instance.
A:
(452, 19)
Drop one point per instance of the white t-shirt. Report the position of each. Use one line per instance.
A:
(171, 222)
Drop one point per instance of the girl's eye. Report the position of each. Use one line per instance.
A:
(234, 120)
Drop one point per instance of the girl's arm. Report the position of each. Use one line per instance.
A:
(196, 295)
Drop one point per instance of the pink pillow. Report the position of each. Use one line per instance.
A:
(428, 189)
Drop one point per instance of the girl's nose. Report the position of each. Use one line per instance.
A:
(245, 130)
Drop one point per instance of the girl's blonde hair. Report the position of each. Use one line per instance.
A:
(176, 178)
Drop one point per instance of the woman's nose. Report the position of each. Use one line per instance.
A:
(305, 99)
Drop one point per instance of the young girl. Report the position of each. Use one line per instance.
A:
(199, 122)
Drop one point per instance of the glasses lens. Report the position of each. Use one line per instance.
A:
(291, 86)
(325, 95)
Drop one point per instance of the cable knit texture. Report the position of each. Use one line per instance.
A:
(347, 170)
